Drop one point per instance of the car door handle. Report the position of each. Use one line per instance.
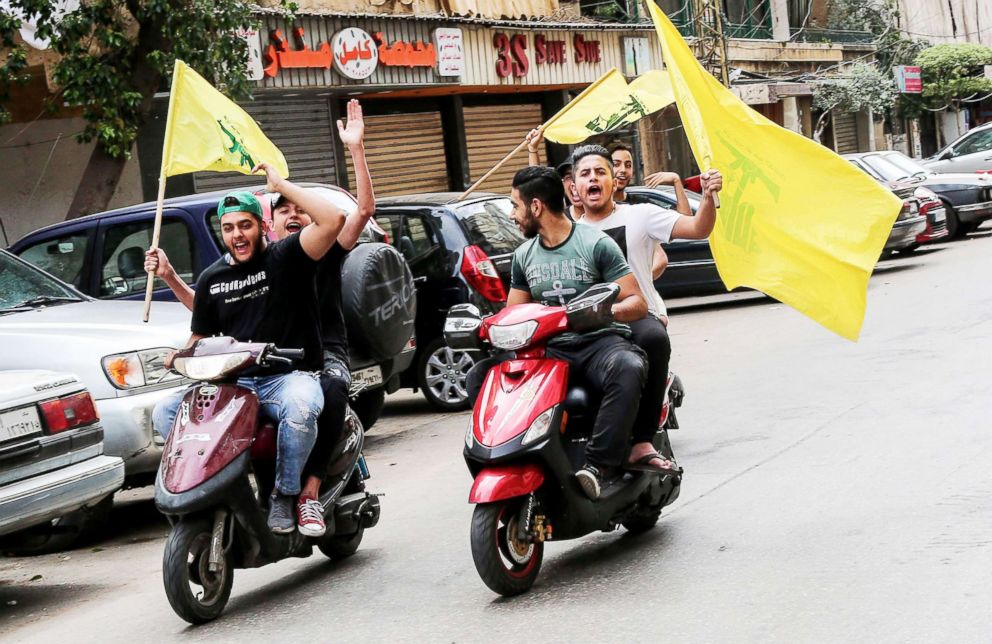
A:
(420, 280)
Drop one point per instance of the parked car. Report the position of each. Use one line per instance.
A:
(103, 256)
(47, 324)
(459, 253)
(971, 152)
(691, 269)
(966, 197)
(56, 484)
(911, 222)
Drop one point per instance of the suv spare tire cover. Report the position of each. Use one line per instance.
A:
(379, 300)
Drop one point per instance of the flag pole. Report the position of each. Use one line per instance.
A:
(156, 231)
(541, 129)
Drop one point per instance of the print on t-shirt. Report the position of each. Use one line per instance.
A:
(619, 235)
(237, 288)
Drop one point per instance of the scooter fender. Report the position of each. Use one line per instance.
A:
(505, 482)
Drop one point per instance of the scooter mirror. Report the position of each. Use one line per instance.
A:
(461, 327)
(593, 309)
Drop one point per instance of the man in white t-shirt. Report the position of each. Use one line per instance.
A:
(638, 229)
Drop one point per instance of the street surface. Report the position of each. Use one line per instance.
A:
(834, 492)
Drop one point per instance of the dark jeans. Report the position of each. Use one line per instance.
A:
(615, 370)
(652, 337)
(335, 381)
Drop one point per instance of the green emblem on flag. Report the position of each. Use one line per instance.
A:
(632, 110)
(237, 144)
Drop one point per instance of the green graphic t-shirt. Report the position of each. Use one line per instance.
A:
(556, 276)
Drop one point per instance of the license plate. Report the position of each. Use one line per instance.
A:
(939, 217)
(19, 423)
(369, 377)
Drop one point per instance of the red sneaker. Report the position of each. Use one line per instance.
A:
(310, 517)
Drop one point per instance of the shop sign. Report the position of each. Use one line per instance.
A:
(450, 47)
(254, 69)
(405, 54)
(908, 79)
(512, 58)
(354, 52)
(636, 56)
(280, 56)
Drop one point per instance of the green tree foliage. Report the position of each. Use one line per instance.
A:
(864, 88)
(115, 54)
(954, 71)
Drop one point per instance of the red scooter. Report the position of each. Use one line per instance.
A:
(529, 429)
(218, 470)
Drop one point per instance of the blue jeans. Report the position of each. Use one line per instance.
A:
(294, 399)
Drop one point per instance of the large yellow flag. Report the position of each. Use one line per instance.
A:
(205, 130)
(607, 104)
(797, 221)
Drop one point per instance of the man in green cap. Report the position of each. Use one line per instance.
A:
(264, 292)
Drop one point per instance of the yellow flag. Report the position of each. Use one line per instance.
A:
(797, 222)
(608, 104)
(205, 130)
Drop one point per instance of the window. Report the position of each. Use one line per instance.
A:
(390, 225)
(489, 226)
(417, 240)
(122, 269)
(980, 142)
(63, 257)
(748, 19)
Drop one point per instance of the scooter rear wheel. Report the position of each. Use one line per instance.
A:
(195, 593)
(507, 565)
(336, 548)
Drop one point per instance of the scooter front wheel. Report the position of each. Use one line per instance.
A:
(506, 564)
(196, 593)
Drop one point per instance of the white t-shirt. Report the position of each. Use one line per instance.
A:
(638, 229)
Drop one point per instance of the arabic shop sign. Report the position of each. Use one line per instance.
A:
(512, 56)
(450, 47)
(405, 54)
(354, 52)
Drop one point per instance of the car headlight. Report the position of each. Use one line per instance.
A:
(512, 336)
(210, 367)
(539, 428)
(138, 368)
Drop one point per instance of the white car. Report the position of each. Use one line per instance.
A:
(47, 324)
(972, 152)
(53, 472)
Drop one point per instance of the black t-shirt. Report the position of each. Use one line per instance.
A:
(333, 331)
(272, 298)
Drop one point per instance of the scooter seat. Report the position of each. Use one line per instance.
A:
(265, 440)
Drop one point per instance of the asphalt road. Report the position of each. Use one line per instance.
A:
(834, 492)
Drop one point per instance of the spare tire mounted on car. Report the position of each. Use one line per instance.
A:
(379, 300)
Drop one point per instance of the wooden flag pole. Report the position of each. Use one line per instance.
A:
(156, 231)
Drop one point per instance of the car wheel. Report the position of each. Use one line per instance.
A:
(955, 228)
(68, 531)
(368, 406)
(441, 374)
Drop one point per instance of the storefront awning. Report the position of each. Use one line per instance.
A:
(500, 8)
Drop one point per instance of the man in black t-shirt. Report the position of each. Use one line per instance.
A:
(266, 293)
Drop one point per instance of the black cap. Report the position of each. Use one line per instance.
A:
(565, 167)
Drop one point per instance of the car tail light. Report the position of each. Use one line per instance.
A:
(480, 272)
(69, 412)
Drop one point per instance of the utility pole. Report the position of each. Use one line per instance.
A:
(711, 42)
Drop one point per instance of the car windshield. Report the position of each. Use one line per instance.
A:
(489, 225)
(885, 168)
(23, 287)
(906, 164)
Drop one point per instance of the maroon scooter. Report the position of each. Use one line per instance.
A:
(218, 470)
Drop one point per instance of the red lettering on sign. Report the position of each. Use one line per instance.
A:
(548, 51)
(540, 50)
(511, 55)
(586, 51)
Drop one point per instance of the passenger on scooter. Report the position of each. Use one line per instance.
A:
(265, 292)
(638, 229)
(288, 218)
(560, 261)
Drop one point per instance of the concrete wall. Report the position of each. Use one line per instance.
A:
(33, 195)
(947, 20)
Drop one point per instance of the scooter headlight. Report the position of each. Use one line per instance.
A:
(512, 336)
(470, 432)
(210, 367)
(540, 427)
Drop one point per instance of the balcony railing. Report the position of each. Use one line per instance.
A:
(831, 35)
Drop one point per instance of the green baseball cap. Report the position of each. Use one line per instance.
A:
(239, 201)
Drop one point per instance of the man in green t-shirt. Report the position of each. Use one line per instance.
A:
(561, 261)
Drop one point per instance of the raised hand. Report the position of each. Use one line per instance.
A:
(711, 182)
(272, 178)
(661, 179)
(354, 133)
(534, 139)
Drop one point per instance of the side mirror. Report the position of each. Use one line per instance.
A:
(461, 327)
(593, 309)
(947, 155)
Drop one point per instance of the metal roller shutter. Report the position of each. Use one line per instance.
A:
(300, 127)
(491, 131)
(846, 133)
(405, 153)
